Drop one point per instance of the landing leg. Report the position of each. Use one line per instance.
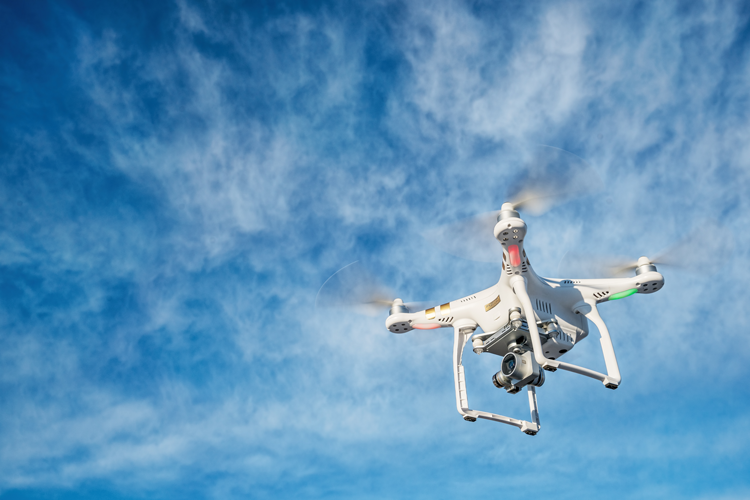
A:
(611, 380)
(461, 336)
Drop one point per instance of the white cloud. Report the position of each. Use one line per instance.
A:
(269, 180)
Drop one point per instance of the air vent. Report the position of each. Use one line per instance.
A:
(543, 306)
(601, 295)
(467, 299)
(447, 320)
(564, 337)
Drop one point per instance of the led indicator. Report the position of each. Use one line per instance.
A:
(425, 326)
(515, 257)
(622, 295)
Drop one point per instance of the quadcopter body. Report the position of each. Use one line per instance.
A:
(529, 320)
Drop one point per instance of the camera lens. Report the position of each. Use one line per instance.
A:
(509, 363)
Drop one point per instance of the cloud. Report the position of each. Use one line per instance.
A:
(164, 236)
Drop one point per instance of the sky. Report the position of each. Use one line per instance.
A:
(179, 178)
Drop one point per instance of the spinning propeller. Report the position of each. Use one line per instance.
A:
(704, 250)
(354, 288)
(550, 177)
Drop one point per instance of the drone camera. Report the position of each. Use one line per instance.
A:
(518, 370)
(502, 382)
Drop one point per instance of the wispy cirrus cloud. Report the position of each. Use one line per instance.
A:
(163, 237)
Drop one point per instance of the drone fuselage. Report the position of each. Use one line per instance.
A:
(557, 303)
(529, 320)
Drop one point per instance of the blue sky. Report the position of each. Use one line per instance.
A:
(179, 178)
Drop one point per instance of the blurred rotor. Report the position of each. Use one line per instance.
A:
(550, 176)
(355, 289)
(469, 238)
(704, 250)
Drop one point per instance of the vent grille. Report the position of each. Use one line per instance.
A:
(563, 337)
(446, 320)
(543, 306)
(601, 295)
(467, 299)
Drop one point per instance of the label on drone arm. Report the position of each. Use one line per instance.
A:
(492, 304)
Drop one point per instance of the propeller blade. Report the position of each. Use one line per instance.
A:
(708, 246)
(704, 250)
(584, 265)
(551, 176)
(353, 287)
(470, 238)
(534, 201)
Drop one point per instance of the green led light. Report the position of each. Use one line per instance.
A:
(622, 295)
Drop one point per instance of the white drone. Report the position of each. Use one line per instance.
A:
(529, 320)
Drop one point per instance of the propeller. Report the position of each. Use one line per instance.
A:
(704, 250)
(354, 288)
(550, 177)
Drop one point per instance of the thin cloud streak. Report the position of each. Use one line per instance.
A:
(160, 325)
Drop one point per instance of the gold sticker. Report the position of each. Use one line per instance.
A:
(430, 313)
(445, 308)
(492, 304)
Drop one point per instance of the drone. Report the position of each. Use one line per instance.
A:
(529, 321)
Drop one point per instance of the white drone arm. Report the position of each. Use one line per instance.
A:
(463, 330)
(588, 308)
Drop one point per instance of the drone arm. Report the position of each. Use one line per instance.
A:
(611, 380)
(462, 332)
